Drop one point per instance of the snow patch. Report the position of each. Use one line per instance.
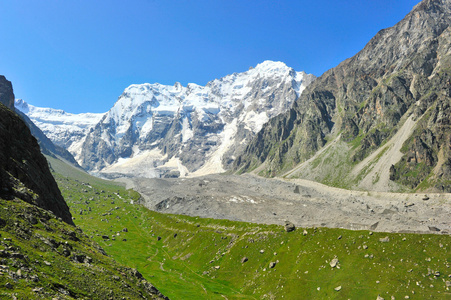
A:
(187, 132)
(214, 163)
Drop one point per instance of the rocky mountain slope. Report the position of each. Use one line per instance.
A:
(155, 129)
(42, 257)
(24, 172)
(400, 80)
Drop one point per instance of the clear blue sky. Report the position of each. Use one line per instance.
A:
(80, 55)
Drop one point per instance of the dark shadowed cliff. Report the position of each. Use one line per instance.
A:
(24, 172)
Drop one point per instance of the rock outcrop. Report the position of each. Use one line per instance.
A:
(6, 93)
(24, 172)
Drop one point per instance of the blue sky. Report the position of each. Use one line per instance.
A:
(80, 55)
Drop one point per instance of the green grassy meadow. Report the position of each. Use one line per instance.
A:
(195, 258)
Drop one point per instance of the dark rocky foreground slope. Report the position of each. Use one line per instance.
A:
(42, 257)
(404, 71)
(24, 172)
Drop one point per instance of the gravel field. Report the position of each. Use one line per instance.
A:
(305, 203)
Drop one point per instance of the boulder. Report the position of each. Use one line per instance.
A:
(289, 227)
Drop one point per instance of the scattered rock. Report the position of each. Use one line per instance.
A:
(338, 288)
(425, 198)
(334, 262)
(384, 240)
(289, 227)
(159, 238)
(4, 253)
(374, 226)
(379, 298)
(433, 228)
(136, 273)
(244, 259)
(272, 264)
(304, 232)
(17, 255)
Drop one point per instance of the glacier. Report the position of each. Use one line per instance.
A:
(156, 130)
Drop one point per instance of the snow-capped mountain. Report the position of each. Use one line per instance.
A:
(64, 129)
(155, 129)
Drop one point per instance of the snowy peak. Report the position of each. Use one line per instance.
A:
(154, 129)
(240, 84)
(269, 68)
(64, 129)
(21, 105)
(57, 115)
(190, 128)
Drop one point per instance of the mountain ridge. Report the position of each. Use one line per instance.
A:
(158, 130)
(365, 100)
(65, 130)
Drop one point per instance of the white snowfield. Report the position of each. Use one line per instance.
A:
(240, 100)
(62, 128)
(219, 97)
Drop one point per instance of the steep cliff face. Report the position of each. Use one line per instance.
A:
(24, 172)
(403, 71)
(6, 93)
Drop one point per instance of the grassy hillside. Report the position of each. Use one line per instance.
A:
(42, 257)
(193, 258)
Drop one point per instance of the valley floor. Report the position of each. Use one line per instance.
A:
(202, 258)
(305, 203)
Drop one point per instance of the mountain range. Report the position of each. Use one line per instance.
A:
(157, 130)
(378, 121)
